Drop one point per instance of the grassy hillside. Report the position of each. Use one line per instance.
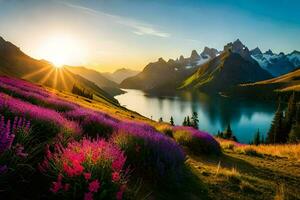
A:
(107, 85)
(286, 82)
(191, 163)
(223, 72)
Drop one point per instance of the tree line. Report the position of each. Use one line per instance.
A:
(82, 92)
(285, 127)
(192, 121)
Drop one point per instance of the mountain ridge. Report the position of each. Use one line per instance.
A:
(14, 62)
(99, 79)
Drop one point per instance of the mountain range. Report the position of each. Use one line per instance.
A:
(164, 76)
(120, 74)
(276, 64)
(211, 71)
(98, 78)
(13, 62)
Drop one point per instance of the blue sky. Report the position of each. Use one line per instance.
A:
(130, 33)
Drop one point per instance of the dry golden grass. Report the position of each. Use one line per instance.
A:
(291, 151)
(280, 193)
(282, 150)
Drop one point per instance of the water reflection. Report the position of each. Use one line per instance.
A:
(214, 112)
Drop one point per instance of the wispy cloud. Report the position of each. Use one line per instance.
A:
(139, 28)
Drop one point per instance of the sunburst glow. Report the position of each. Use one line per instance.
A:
(62, 50)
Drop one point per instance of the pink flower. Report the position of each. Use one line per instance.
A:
(115, 176)
(56, 186)
(118, 164)
(74, 170)
(94, 186)
(88, 196)
(119, 194)
(87, 176)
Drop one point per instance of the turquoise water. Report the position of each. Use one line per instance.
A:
(215, 112)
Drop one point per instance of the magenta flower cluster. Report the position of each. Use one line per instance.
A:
(148, 150)
(92, 162)
(198, 141)
(94, 123)
(34, 94)
(8, 131)
(19, 107)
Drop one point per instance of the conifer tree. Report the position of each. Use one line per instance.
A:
(172, 121)
(297, 117)
(160, 120)
(184, 122)
(290, 114)
(219, 134)
(294, 135)
(275, 133)
(256, 139)
(195, 120)
(188, 122)
(228, 133)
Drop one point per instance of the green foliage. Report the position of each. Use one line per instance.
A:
(257, 139)
(294, 135)
(172, 121)
(228, 133)
(184, 123)
(188, 122)
(195, 120)
(192, 122)
(284, 126)
(160, 120)
(275, 134)
(290, 114)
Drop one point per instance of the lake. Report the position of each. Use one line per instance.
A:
(215, 112)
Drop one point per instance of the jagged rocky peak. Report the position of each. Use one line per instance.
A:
(255, 51)
(2, 40)
(171, 61)
(211, 52)
(295, 52)
(181, 58)
(269, 52)
(161, 60)
(236, 46)
(239, 48)
(194, 55)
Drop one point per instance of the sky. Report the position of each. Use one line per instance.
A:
(109, 34)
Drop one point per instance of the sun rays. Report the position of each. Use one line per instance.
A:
(52, 76)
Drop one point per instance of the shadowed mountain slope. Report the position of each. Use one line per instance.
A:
(107, 85)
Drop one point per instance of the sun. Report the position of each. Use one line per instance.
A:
(62, 50)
